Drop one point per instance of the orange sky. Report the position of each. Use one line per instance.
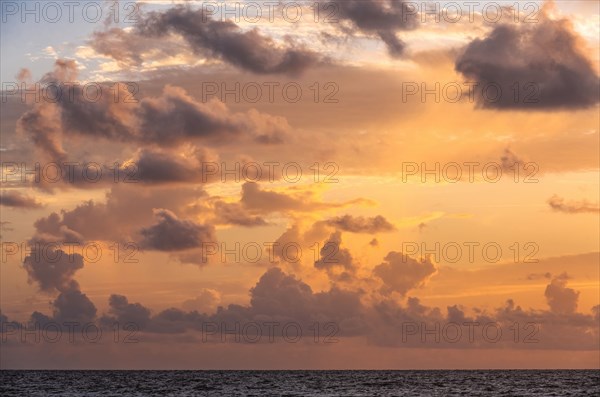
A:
(414, 214)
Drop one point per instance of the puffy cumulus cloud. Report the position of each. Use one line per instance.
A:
(175, 117)
(295, 239)
(126, 210)
(223, 40)
(52, 269)
(382, 18)
(72, 305)
(334, 259)
(124, 312)
(167, 120)
(560, 298)
(206, 301)
(282, 298)
(159, 166)
(401, 273)
(170, 233)
(72, 112)
(282, 295)
(548, 54)
(559, 204)
(360, 224)
(16, 199)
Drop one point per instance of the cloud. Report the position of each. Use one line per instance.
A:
(167, 120)
(74, 306)
(359, 224)
(206, 301)
(400, 273)
(560, 298)
(13, 198)
(559, 204)
(223, 40)
(537, 276)
(509, 161)
(282, 298)
(173, 234)
(125, 312)
(236, 214)
(52, 269)
(382, 18)
(547, 53)
(159, 166)
(337, 261)
(265, 201)
(125, 211)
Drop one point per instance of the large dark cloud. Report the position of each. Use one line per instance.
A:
(249, 50)
(170, 233)
(547, 54)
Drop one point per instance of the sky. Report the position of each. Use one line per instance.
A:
(361, 184)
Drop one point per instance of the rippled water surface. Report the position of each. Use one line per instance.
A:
(300, 383)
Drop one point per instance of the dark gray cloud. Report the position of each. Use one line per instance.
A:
(125, 312)
(559, 204)
(161, 166)
(52, 269)
(382, 18)
(224, 40)
(360, 224)
(72, 305)
(13, 198)
(173, 234)
(547, 54)
(334, 259)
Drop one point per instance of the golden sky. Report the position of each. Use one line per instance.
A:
(405, 192)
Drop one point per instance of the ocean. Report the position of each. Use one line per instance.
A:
(302, 383)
